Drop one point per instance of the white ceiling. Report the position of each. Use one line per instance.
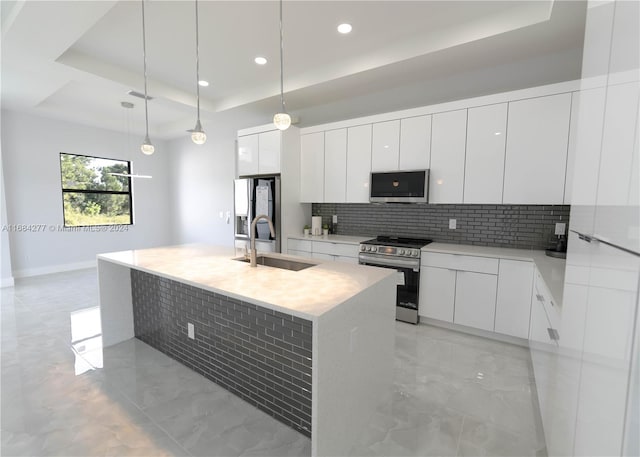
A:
(75, 60)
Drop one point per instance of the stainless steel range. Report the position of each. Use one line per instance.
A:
(403, 255)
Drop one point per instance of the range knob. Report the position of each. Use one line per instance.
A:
(401, 252)
(415, 253)
(363, 247)
(374, 248)
(369, 248)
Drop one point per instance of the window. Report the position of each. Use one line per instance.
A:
(92, 194)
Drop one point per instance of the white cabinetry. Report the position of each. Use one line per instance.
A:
(248, 155)
(536, 157)
(484, 164)
(475, 300)
(448, 138)
(325, 250)
(459, 289)
(335, 166)
(259, 153)
(385, 150)
(415, 143)
(312, 167)
(437, 293)
(513, 305)
(358, 163)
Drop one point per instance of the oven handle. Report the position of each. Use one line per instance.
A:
(388, 262)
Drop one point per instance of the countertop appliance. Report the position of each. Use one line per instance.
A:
(402, 255)
(254, 196)
(400, 187)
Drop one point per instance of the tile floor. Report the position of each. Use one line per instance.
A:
(62, 394)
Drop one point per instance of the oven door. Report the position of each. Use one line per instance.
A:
(407, 289)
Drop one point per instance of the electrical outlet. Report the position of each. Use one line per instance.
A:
(335, 218)
(191, 332)
(452, 224)
(560, 228)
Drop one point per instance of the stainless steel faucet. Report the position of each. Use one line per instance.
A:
(254, 258)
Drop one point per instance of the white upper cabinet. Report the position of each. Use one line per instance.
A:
(248, 155)
(385, 151)
(335, 166)
(358, 163)
(312, 168)
(484, 164)
(448, 138)
(536, 157)
(269, 144)
(259, 153)
(415, 143)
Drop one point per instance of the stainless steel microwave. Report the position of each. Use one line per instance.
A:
(400, 187)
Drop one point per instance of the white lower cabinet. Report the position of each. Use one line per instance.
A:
(324, 250)
(513, 305)
(475, 304)
(479, 292)
(437, 293)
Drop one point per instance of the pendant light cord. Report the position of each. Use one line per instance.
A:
(144, 59)
(281, 63)
(197, 65)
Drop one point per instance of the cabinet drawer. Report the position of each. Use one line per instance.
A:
(320, 255)
(460, 262)
(299, 245)
(344, 249)
(300, 253)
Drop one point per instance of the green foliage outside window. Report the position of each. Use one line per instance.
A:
(93, 196)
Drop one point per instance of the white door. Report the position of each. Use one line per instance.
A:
(269, 147)
(415, 143)
(386, 146)
(335, 166)
(312, 168)
(475, 300)
(484, 163)
(513, 305)
(448, 138)
(437, 293)
(248, 155)
(358, 163)
(536, 158)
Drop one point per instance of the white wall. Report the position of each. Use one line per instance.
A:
(202, 183)
(30, 154)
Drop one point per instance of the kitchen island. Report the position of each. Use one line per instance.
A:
(313, 348)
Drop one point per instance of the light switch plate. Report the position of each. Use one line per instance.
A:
(335, 218)
(452, 224)
(191, 331)
(560, 228)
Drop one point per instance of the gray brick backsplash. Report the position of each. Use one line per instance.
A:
(262, 356)
(514, 226)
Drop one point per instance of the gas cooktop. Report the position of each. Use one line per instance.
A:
(415, 243)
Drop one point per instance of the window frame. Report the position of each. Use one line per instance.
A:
(101, 192)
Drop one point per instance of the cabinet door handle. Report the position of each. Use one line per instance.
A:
(553, 334)
(540, 297)
(551, 301)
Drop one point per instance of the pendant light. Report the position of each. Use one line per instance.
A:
(281, 120)
(197, 134)
(146, 148)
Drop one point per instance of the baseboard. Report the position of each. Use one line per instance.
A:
(6, 282)
(475, 331)
(28, 272)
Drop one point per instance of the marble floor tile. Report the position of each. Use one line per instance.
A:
(62, 394)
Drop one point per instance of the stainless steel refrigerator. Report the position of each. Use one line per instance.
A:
(254, 196)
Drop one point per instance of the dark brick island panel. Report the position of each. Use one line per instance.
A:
(262, 356)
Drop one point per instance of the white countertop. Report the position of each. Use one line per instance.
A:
(333, 238)
(307, 293)
(551, 269)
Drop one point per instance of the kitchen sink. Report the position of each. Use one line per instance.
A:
(276, 262)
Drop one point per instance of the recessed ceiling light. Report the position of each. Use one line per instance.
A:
(203, 83)
(260, 60)
(344, 28)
